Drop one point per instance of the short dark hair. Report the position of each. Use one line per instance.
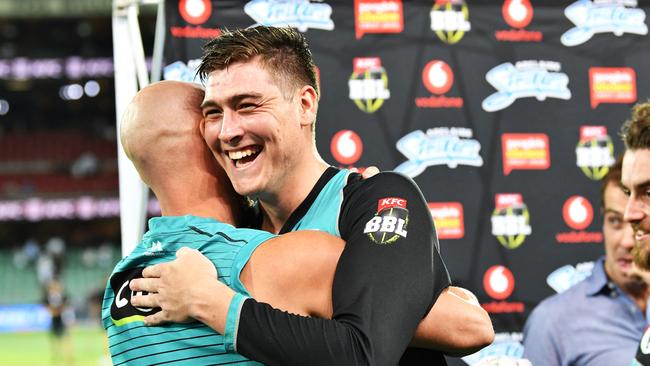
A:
(613, 176)
(636, 131)
(283, 51)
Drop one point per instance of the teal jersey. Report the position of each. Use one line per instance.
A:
(133, 343)
(325, 210)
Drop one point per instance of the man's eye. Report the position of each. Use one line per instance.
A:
(626, 191)
(247, 106)
(615, 221)
(212, 113)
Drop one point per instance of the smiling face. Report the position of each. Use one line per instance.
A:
(258, 131)
(619, 238)
(636, 183)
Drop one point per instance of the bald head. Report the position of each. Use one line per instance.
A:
(160, 134)
(159, 125)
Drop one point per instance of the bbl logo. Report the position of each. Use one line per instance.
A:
(594, 152)
(389, 223)
(368, 84)
(510, 220)
(450, 20)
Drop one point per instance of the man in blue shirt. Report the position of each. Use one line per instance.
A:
(600, 320)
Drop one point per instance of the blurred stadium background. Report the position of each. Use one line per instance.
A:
(59, 208)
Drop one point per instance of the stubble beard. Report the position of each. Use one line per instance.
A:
(641, 254)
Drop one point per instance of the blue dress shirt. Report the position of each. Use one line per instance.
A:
(592, 323)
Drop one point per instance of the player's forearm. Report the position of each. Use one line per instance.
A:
(211, 303)
(456, 325)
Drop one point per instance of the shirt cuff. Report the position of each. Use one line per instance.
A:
(232, 322)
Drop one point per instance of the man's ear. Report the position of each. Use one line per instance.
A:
(308, 105)
(202, 128)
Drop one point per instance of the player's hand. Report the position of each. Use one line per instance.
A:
(175, 286)
(370, 171)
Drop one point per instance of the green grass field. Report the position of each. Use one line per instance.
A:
(88, 347)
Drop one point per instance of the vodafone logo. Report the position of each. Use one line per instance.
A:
(346, 147)
(437, 77)
(517, 13)
(577, 212)
(195, 11)
(498, 282)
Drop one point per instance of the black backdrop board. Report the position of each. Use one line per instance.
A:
(506, 114)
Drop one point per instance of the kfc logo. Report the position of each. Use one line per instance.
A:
(499, 283)
(389, 223)
(195, 11)
(346, 147)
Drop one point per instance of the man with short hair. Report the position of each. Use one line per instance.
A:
(636, 184)
(599, 320)
(260, 108)
(164, 143)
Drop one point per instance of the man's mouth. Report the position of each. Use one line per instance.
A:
(624, 263)
(244, 156)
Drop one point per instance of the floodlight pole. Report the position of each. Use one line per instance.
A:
(130, 76)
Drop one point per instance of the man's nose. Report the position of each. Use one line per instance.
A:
(633, 212)
(627, 240)
(231, 128)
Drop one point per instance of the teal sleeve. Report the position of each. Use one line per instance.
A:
(232, 322)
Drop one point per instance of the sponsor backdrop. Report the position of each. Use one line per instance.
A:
(506, 114)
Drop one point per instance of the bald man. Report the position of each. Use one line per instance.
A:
(292, 272)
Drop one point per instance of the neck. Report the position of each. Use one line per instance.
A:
(278, 206)
(203, 201)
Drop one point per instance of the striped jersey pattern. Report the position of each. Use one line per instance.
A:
(133, 343)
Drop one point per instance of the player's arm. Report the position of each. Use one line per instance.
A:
(456, 325)
(295, 271)
(387, 278)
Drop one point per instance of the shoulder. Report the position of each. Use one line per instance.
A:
(385, 184)
(382, 178)
(560, 307)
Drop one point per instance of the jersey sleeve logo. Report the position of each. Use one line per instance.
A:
(389, 222)
(122, 311)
